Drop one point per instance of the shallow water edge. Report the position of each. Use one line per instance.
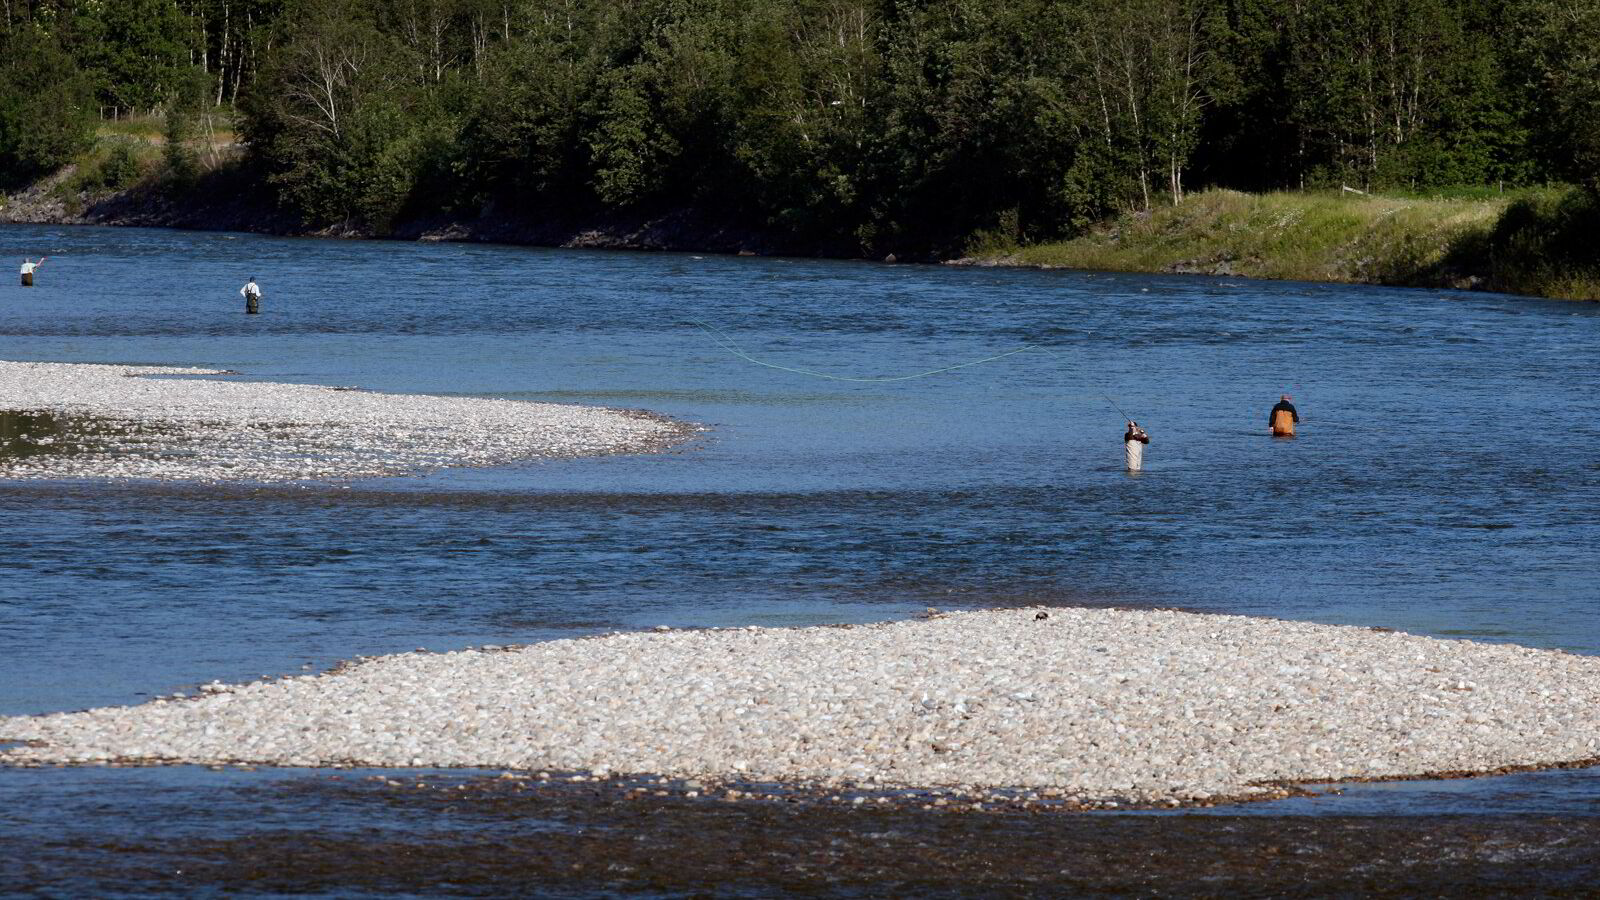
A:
(360, 834)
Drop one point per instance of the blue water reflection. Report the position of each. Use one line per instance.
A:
(1446, 481)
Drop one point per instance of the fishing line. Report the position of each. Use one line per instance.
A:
(1104, 394)
(724, 341)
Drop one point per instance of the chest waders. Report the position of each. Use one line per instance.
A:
(1283, 423)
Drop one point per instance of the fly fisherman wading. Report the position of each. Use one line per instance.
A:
(252, 297)
(1283, 418)
(28, 266)
(1133, 446)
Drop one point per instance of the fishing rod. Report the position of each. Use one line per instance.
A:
(1104, 395)
(1116, 407)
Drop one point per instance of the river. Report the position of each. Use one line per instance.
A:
(1446, 480)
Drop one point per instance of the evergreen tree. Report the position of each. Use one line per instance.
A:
(46, 106)
(137, 50)
(868, 125)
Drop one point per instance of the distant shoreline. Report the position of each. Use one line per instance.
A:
(227, 200)
(1531, 242)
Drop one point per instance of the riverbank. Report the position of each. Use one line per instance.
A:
(1533, 241)
(61, 420)
(1528, 242)
(233, 198)
(1094, 708)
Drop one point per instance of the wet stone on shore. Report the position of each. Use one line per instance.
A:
(120, 422)
(1089, 708)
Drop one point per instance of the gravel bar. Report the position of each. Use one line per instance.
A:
(1100, 707)
(115, 422)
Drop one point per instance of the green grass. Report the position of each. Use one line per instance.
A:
(114, 163)
(146, 128)
(151, 129)
(1455, 192)
(1342, 237)
(132, 151)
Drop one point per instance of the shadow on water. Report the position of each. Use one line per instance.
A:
(25, 434)
(31, 434)
(358, 834)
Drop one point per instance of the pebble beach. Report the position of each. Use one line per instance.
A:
(139, 422)
(1098, 707)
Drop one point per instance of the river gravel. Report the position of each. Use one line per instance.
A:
(1097, 707)
(119, 422)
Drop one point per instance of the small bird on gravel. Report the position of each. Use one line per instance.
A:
(1041, 617)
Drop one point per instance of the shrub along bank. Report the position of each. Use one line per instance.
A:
(1537, 242)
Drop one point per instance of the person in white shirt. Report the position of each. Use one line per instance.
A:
(28, 266)
(1133, 446)
(252, 297)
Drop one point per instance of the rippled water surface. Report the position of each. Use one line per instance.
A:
(1446, 480)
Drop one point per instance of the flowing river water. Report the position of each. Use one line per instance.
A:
(1446, 482)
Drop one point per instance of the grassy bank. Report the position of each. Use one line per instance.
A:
(146, 171)
(1537, 242)
(126, 155)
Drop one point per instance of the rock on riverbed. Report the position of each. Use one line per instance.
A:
(1095, 705)
(118, 422)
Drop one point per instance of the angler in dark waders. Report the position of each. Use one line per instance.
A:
(28, 266)
(1283, 418)
(252, 297)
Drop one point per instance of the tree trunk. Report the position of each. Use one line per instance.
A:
(222, 53)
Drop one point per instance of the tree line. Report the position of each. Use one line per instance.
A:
(846, 125)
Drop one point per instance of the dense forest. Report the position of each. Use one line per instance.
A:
(855, 125)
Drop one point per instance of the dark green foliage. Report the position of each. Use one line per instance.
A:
(872, 126)
(121, 167)
(46, 112)
(191, 92)
(1557, 46)
(136, 50)
(1546, 244)
(117, 167)
(345, 122)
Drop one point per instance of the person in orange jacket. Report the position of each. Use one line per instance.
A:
(1283, 418)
